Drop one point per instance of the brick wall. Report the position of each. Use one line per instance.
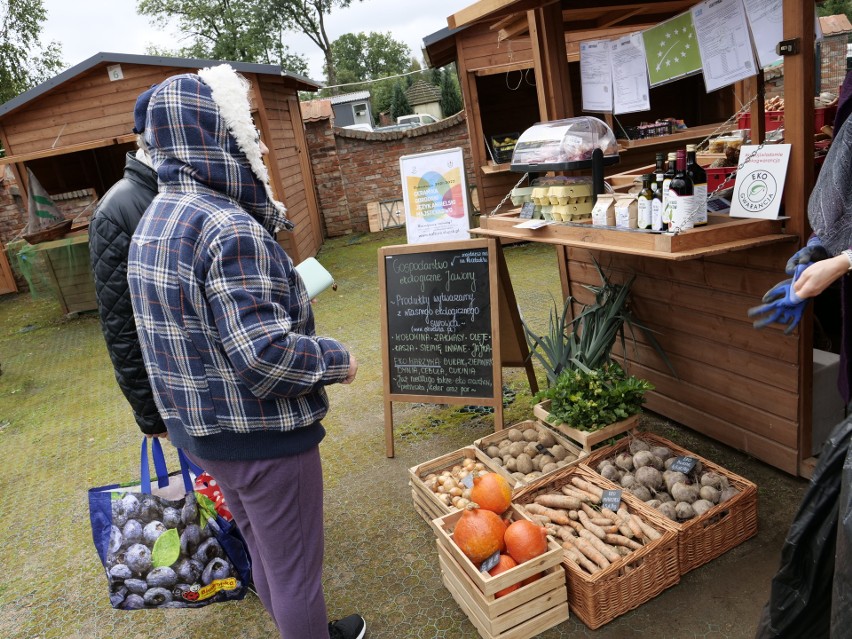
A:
(352, 168)
(12, 208)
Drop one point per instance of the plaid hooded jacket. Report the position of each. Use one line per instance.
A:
(224, 319)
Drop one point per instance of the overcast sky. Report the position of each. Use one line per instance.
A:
(87, 27)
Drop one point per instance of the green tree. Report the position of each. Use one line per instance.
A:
(308, 17)
(399, 102)
(835, 7)
(24, 60)
(238, 30)
(451, 99)
(369, 56)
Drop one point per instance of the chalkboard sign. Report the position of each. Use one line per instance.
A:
(438, 305)
(683, 464)
(611, 499)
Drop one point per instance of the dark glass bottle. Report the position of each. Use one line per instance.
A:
(699, 185)
(645, 199)
(681, 200)
(659, 168)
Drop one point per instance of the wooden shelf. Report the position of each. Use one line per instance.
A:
(722, 234)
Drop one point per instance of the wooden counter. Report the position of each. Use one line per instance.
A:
(722, 234)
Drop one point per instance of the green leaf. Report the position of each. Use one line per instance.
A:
(206, 508)
(166, 549)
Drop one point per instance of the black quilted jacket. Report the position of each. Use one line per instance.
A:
(110, 230)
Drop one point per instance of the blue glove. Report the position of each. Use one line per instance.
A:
(781, 304)
(811, 252)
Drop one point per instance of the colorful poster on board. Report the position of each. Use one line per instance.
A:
(671, 50)
(434, 194)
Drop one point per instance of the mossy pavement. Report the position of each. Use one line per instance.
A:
(65, 427)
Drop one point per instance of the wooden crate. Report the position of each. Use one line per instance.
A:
(521, 614)
(426, 502)
(483, 443)
(628, 583)
(524, 613)
(488, 585)
(714, 533)
(586, 439)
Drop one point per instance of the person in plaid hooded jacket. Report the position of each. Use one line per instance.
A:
(228, 338)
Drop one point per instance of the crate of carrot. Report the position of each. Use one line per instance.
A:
(615, 558)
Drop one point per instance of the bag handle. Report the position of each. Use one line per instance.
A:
(160, 467)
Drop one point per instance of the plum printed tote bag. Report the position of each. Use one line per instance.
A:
(166, 547)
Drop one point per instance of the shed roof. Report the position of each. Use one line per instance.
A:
(835, 25)
(421, 92)
(299, 82)
(349, 97)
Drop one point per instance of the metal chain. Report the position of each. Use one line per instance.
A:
(508, 195)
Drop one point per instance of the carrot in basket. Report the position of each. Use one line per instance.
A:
(556, 516)
(558, 501)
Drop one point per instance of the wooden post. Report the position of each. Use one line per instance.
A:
(757, 87)
(547, 36)
(799, 132)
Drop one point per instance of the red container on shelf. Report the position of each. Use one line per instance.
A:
(720, 176)
(775, 119)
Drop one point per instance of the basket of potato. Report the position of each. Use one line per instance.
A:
(527, 451)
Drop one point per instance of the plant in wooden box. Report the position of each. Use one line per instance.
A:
(575, 354)
(602, 402)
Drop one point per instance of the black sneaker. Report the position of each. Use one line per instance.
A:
(351, 627)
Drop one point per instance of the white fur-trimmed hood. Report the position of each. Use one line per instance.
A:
(230, 92)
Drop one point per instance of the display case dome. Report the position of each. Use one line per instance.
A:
(564, 145)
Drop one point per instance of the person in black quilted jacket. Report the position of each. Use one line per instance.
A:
(113, 223)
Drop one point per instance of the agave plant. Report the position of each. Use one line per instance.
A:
(585, 342)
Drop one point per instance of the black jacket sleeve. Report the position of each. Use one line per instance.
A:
(110, 232)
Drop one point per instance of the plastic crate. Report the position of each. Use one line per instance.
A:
(720, 176)
(775, 119)
(503, 145)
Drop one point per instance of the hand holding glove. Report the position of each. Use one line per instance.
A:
(811, 252)
(781, 304)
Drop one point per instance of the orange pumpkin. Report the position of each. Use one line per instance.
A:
(492, 492)
(524, 540)
(505, 563)
(479, 533)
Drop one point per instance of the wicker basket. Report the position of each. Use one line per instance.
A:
(426, 502)
(626, 584)
(53, 232)
(495, 438)
(719, 529)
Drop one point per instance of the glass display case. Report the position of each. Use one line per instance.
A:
(564, 145)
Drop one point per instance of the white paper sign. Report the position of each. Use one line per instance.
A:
(595, 76)
(765, 18)
(434, 194)
(760, 183)
(724, 42)
(630, 89)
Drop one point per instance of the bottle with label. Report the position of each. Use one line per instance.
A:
(660, 168)
(644, 199)
(681, 200)
(657, 203)
(667, 178)
(699, 185)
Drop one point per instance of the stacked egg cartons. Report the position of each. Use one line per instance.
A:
(571, 202)
(541, 198)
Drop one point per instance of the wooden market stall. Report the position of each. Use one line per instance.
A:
(749, 389)
(74, 130)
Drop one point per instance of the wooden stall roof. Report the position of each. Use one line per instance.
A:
(294, 80)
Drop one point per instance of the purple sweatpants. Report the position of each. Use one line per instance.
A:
(277, 504)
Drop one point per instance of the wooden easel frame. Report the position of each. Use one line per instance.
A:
(507, 332)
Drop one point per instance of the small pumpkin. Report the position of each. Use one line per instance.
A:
(492, 492)
(479, 533)
(504, 564)
(524, 540)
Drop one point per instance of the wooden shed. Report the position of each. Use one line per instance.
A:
(74, 130)
(750, 389)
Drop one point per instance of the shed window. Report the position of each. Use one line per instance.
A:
(360, 109)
